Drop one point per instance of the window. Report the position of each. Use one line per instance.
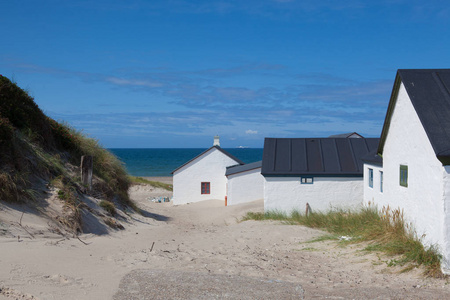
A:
(307, 180)
(404, 175)
(206, 188)
(381, 181)
(371, 178)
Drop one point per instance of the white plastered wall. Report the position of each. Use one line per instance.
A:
(445, 263)
(373, 194)
(245, 187)
(422, 201)
(210, 167)
(286, 194)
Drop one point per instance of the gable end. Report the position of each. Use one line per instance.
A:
(429, 93)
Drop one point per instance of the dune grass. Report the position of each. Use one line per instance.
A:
(140, 180)
(385, 230)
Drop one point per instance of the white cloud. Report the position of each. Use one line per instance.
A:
(144, 83)
(249, 131)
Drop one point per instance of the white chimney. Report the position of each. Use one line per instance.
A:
(216, 141)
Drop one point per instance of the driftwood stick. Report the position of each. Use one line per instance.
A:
(152, 247)
(20, 221)
(82, 241)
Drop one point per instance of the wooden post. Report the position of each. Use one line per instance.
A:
(87, 167)
(226, 200)
(308, 209)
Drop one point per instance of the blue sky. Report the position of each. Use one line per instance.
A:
(175, 73)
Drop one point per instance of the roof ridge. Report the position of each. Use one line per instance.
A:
(229, 154)
(204, 152)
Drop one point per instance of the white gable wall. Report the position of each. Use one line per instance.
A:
(373, 194)
(422, 201)
(210, 167)
(286, 194)
(245, 187)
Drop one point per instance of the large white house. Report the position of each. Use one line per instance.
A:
(324, 173)
(203, 177)
(414, 174)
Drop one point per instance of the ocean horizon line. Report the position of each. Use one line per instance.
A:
(160, 162)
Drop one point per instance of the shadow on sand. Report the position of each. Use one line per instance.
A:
(154, 216)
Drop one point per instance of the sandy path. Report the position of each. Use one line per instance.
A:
(202, 238)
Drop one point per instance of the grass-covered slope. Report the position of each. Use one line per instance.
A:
(35, 148)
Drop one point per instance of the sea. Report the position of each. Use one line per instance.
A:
(161, 162)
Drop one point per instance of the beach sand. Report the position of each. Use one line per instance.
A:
(160, 251)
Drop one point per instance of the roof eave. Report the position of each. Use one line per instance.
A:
(390, 110)
(240, 162)
(313, 174)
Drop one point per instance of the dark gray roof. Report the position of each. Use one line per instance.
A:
(429, 93)
(373, 158)
(242, 168)
(345, 135)
(240, 162)
(315, 156)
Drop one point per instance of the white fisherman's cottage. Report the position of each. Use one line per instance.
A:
(324, 173)
(203, 177)
(414, 172)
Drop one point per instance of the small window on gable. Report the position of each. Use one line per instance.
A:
(371, 178)
(307, 180)
(404, 175)
(206, 188)
(381, 181)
